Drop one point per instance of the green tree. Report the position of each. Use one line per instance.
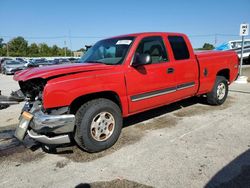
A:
(33, 50)
(55, 50)
(61, 52)
(3, 51)
(45, 50)
(18, 47)
(1, 47)
(1, 42)
(208, 46)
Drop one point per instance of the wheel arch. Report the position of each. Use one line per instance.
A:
(79, 101)
(225, 73)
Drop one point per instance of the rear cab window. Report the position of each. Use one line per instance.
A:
(179, 47)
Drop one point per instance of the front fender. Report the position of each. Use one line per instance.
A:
(63, 91)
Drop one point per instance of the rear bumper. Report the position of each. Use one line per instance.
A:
(44, 128)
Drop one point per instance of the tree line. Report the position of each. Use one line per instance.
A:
(206, 46)
(19, 47)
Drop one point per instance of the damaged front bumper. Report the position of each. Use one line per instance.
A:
(45, 128)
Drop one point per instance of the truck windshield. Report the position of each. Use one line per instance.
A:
(109, 51)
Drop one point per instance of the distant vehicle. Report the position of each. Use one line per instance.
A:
(20, 59)
(38, 63)
(64, 61)
(2, 61)
(45, 62)
(12, 66)
(233, 44)
(77, 61)
(51, 62)
(61, 61)
(54, 61)
(72, 59)
(236, 46)
(30, 64)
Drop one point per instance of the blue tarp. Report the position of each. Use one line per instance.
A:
(224, 46)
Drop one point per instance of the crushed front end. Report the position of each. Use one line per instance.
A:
(50, 126)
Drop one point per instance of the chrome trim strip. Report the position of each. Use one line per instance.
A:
(161, 92)
(185, 86)
(153, 95)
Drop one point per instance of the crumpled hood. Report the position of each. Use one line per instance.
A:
(57, 70)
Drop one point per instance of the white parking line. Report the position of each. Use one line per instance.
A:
(194, 130)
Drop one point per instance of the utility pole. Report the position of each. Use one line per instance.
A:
(215, 39)
(65, 49)
(7, 48)
(70, 43)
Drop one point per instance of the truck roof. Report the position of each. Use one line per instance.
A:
(147, 34)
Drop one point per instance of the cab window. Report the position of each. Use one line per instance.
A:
(153, 46)
(179, 47)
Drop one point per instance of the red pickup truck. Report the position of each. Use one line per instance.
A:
(116, 78)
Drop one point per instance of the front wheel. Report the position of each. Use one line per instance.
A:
(219, 93)
(98, 125)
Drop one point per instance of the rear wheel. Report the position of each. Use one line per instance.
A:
(219, 93)
(98, 125)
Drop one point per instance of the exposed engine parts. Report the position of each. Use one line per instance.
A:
(32, 89)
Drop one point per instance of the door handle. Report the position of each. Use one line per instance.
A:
(170, 70)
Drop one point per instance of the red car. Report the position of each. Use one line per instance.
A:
(118, 77)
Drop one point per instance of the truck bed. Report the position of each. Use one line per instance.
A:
(210, 62)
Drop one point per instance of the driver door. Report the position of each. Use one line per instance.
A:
(154, 84)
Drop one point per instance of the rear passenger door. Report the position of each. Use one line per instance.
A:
(185, 66)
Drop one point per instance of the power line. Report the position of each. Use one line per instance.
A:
(54, 37)
(207, 35)
(96, 37)
(212, 35)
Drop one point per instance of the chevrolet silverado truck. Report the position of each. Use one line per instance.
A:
(118, 77)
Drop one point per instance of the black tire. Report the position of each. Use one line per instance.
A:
(85, 116)
(212, 97)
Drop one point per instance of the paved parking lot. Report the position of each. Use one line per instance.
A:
(186, 144)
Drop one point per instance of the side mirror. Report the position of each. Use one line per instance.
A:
(142, 59)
